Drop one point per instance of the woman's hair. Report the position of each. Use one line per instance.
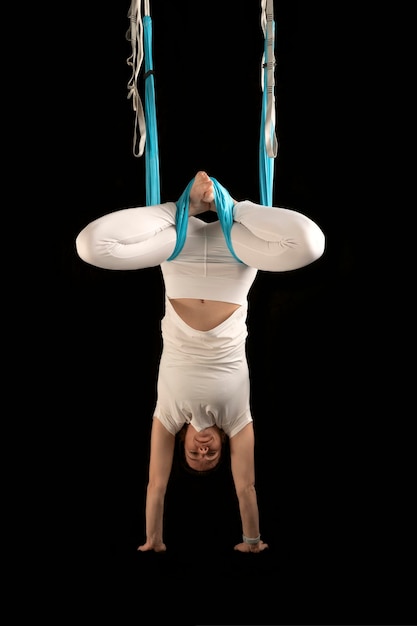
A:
(182, 458)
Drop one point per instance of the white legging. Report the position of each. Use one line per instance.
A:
(266, 238)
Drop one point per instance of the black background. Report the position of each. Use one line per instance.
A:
(332, 496)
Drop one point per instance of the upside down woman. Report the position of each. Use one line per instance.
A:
(203, 381)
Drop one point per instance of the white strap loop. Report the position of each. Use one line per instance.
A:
(135, 60)
(268, 71)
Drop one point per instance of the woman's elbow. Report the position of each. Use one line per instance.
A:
(246, 491)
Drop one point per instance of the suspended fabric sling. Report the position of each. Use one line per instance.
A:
(146, 134)
(224, 206)
(153, 191)
(146, 130)
(268, 143)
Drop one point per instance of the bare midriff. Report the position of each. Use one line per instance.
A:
(203, 314)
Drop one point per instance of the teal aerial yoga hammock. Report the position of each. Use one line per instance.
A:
(224, 206)
(268, 144)
(140, 35)
(153, 193)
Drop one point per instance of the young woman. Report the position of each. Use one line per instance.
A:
(208, 269)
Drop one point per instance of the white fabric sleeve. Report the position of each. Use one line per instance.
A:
(129, 239)
(275, 239)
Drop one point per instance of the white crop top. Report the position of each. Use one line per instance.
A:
(205, 267)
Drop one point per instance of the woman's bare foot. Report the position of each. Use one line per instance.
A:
(201, 195)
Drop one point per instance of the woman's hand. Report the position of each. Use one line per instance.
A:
(246, 547)
(156, 547)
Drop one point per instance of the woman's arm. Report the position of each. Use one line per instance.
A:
(243, 470)
(162, 453)
(275, 239)
(129, 239)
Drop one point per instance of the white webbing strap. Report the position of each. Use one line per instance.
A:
(135, 60)
(268, 75)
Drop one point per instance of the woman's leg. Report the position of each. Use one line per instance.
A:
(275, 239)
(129, 239)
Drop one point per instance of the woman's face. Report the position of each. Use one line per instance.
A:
(202, 449)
